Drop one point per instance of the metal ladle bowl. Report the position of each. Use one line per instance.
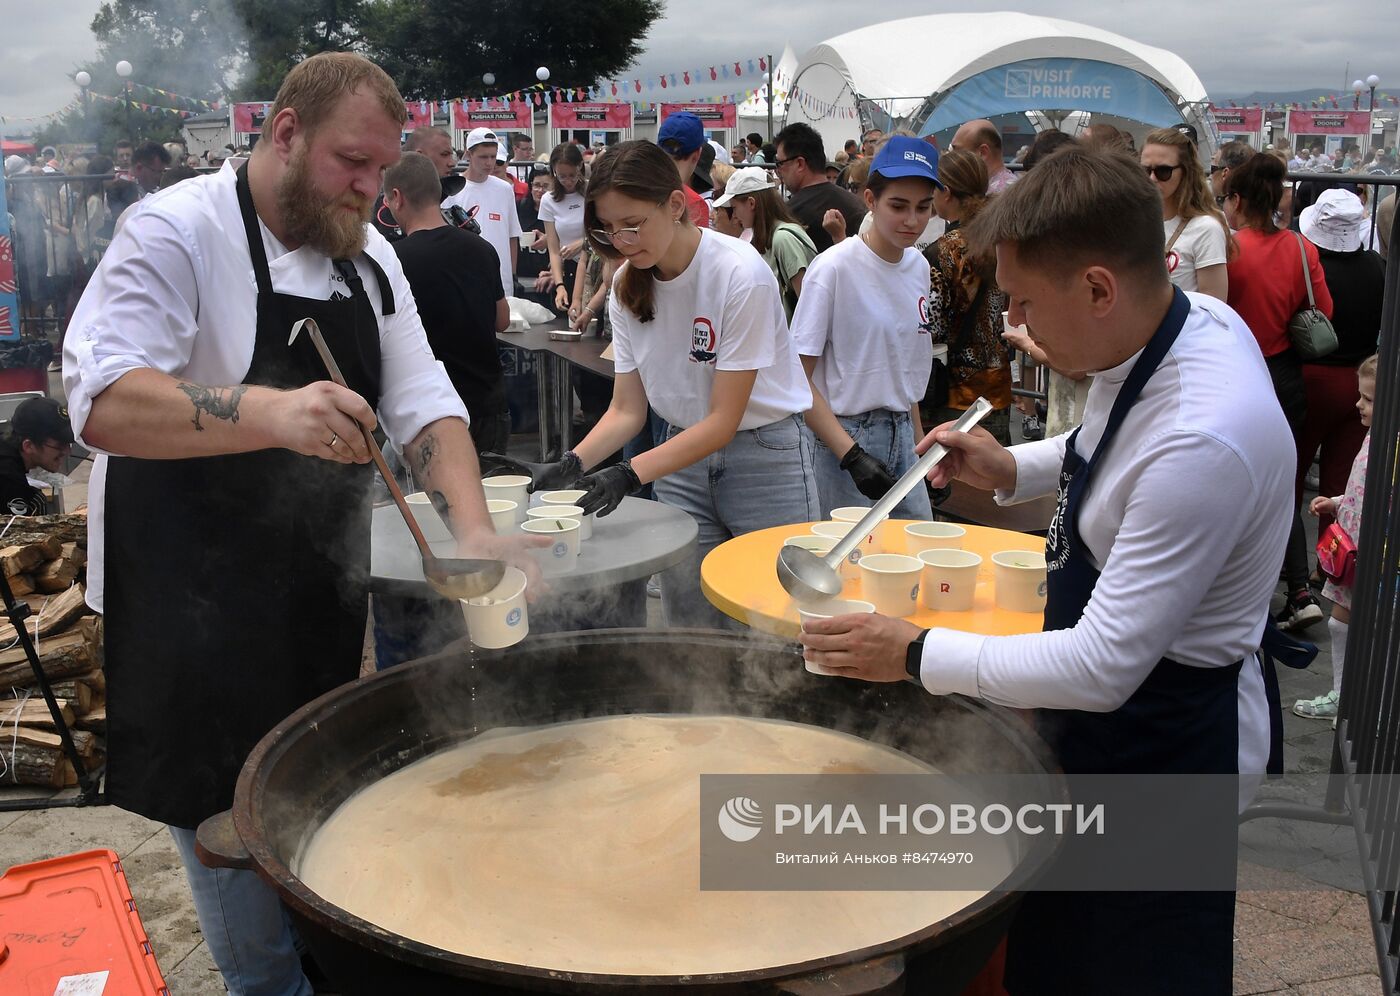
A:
(809, 578)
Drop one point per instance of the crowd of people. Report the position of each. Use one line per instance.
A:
(789, 330)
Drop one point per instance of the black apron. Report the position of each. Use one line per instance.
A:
(1181, 720)
(236, 585)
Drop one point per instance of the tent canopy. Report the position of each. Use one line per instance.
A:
(908, 67)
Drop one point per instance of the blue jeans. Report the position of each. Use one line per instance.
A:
(764, 477)
(888, 437)
(248, 930)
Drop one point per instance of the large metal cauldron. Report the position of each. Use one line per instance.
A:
(318, 757)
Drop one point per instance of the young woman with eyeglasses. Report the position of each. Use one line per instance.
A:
(699, 334)
(561, 210)
(1198, 237)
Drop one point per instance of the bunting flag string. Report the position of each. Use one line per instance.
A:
(51, 116)
(208, 105)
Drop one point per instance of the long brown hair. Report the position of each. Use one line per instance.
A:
(568, 154)
(964, 175)
(1193, 196)
(1259, 186)
(769, 211)
(642, 171)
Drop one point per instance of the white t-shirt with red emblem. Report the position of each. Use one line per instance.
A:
(866, 320)
(492, 204)
(723, 312)
(1200, 244)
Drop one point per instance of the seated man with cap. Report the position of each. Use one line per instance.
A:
(39, 436)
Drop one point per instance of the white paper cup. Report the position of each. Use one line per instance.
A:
(1006, 325)
(564, 511)
(572, 497)
(528, 236)
(949, 581)
(853, 514)
(891, 581)
(499, 618)
(921, 536)
(561, 556)
(1020, 580)
(510, 487)
(434, 529)
(834, 531)
(502, 515)
(826, 610)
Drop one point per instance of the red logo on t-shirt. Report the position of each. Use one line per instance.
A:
(925, 315)
(1173, 260)
(494, 216)
(702, 341)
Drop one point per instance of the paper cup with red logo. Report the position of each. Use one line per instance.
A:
(834, 531)
(499, 618)
(434, 529)
(829, 609)
(1020, 580)
(509, 487)
(561, 556)
(564, 511)
(949, 579)
(891, 582)
(874, 543)
(502, 515)
(921, 536)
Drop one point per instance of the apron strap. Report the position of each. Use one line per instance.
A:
(351, 276)
(256, 250)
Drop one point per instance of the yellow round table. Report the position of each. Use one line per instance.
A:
(740, 578)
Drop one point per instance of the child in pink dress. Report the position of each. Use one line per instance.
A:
(1347, 510)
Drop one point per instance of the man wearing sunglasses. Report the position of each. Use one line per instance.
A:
(1231, 155)
(41, 437)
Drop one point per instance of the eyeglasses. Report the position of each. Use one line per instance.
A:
(784, 162)
(1216, 168)
(1161, 173)
(622, 236)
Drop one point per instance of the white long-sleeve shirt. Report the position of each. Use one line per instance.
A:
(175, 292)
(1186, 518)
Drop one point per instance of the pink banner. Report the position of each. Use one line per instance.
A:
(1329, 123)
(1238, 119)
(469, 114)
(710, 115)
(602, 117)
(248, 118)
(420, 114)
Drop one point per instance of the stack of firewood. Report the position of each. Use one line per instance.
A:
(43, 558)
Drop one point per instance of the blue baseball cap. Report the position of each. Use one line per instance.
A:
(905, 156)
(681, 134)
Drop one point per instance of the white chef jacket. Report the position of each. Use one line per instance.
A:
(176, 293)
(1186, 519)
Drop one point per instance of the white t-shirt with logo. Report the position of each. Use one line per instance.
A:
(492, 204)
(867, 321)
(567, 215)
(1201, 244)
(722, 313)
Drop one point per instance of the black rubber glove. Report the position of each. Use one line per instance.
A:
(557, 476)
(607, 488)
(872, 477)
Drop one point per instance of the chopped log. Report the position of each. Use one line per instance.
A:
(58, 614)
(79, 695)
(88, 744)
(72, 551)
(56, 575)
(18, 559)
(95, 719)
(71, 528)
(28, 764)
(77, 651)
(21, 585)
(34, 712)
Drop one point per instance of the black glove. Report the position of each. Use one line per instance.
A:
(872, 477)
(607, 488)
(557, 476)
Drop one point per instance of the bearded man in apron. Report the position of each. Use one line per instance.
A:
(1173, 511)
(230, 505)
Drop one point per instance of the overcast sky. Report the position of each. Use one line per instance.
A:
(1235, 46)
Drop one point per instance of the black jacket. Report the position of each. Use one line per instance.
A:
(17, 495)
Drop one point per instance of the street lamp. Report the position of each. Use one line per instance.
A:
(84, 80)
(1373, 81)
(1356, 87)
(124, 71)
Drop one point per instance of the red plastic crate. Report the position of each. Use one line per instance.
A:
(71, 917)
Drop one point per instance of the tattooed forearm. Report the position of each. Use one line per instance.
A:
(422, 457)
(217, 402)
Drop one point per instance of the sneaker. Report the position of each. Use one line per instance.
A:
(1322, 707)
(1299, 612)
(1031, 429)
(654, 586)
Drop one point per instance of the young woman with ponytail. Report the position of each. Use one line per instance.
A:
(699, 334)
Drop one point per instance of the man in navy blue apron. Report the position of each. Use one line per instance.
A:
(231, 503)
(1162, 557)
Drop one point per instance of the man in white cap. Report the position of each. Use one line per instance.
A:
(491, 201)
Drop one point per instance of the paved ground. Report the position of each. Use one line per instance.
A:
(1304, 931)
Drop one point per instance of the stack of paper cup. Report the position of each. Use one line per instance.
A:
(563, 512)
(949, 581)
(510, 487)
(921, 536)
(499, 618)
(561, 556)
(569, 498)
(434, 529)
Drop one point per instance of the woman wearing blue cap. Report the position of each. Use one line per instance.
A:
(862, 330)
